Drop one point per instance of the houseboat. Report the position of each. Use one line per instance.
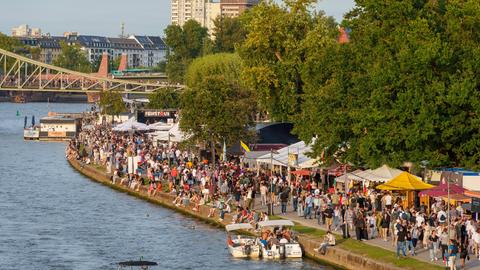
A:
(59, 127)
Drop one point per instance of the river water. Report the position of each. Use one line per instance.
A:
(51, 217)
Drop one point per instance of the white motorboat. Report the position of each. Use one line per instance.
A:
(242, 246)
(287, 249)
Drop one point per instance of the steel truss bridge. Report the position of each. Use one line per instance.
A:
(19, 73)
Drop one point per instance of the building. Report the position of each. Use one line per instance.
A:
(50, 47)
(205, 11)
(154, 50)
(25, 31)
(130, 47)
(141, 51)
(234, 8)
(94, 46)
(180, 11)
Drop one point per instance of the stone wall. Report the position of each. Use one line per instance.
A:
(336, 257)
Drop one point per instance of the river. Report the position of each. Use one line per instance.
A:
(54, 218)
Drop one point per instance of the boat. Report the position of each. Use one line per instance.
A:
(142, 265)
(31, 133)
(285, 248)
(19, 99)
(242, 246)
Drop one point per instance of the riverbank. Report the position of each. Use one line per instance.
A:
(343, 255)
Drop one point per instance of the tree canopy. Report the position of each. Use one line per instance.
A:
(275, 50)
(111, 103)
(404, 89)
(164, 99)
(228, 33)
(73, 58)
(216, 106)
(185, 43)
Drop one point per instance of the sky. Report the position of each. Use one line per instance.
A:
(104, 17)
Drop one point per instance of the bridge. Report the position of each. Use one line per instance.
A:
(20, 73)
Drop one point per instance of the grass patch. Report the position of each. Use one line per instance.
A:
(384, 255)
(369, 251)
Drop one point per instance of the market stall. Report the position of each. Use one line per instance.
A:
(404, 186)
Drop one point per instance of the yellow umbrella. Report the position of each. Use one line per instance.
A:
(405, 181)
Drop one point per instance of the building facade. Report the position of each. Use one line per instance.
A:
(25, 31)
(141, 51)
(206, 11)
(154, 50)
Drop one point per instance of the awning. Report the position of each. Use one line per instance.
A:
(280, 158)
(405, 181)
(301, 172)
(442, 190)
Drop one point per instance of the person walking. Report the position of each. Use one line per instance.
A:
(401, 237)
(385, 224)
(452, 254)
(308, 206)
(284, 200)
(433, 245)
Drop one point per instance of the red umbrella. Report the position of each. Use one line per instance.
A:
(301, 172)
(442, 190)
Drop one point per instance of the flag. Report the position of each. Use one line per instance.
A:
(244, 146)
(224, 151)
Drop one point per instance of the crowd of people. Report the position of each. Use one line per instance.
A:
(134, 160)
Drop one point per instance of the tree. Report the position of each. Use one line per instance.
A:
(216, 106)
(10, 44)
(228, 33)
(274, 52)
(73, 58)
(111, 103)
(164, 99)
(185, 43)
(160, 67)
(404, 89)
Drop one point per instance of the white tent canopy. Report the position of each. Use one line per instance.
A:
(280, 158)
(129, 125)
(174, 134)
(348, 176)
(382, 174)
(160, 126)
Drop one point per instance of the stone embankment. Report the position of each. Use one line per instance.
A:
(336, 257)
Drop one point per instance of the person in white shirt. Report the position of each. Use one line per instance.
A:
(476, 242)
(420, 219)
(388, 201)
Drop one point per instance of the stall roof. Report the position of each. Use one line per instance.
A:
(281, 156)
(405, 181)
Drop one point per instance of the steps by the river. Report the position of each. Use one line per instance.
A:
(337, 257)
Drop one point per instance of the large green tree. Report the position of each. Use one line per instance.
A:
(111, 103)
(216, 106)
(228, 33)
(73, 58)
(404, 89)
(275, 50)
(184, 43)
(164, 99)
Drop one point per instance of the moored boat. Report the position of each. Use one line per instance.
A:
(242, 246)
(274, 248)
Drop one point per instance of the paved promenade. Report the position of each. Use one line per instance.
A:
(421, 254)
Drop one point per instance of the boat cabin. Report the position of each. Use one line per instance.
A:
(59, 127)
